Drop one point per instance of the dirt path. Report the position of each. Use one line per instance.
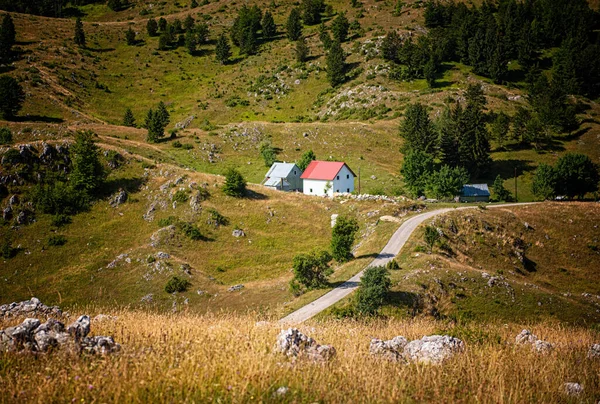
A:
(392, 248)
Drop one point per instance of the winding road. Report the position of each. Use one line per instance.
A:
(391, 249)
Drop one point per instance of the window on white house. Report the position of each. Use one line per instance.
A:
(311, 190)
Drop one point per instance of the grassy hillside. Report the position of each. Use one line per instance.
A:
(228, 358)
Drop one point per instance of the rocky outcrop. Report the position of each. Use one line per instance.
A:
(235, 288)
(293, 343)
(433, 349)
(119, 198)
(33, 336)
(238, 233)
(525, 337)
(594, 352)
(31, 307)
(573, 389)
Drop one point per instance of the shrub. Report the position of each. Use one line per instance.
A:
(191, 231)
(5, 136)
(235, 184)
(181, 196)
(177, 144)
(311, 270)
(216, 219)
(167, 221)
(374, 286)
(431, 236)
(187, 146)
(342, 238)
(60, 220)
(59, 198)
(6, 250)
(150, 259)
(57, 240)
(176, 284)
(392, 265)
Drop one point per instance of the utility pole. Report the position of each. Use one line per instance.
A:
(516, 196)
(359, 180)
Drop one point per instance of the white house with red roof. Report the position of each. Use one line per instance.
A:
(327, 177)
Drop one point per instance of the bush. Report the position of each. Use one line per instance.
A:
(431, 236)
(374, 287)
(342, 238)
(235, 184)
(187, 146)
(191, 231)
(392, 265)
(61, 220)
(5, 136)
(311, 270)
(181, 196)
(57, 240)
(216, 219)
(177, 144)
(176, 284)
(6, 250)
(59, 198)
(167, 221)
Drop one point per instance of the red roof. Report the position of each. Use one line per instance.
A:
(323, 170)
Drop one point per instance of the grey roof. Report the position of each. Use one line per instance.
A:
(275, 182)
(281, 170)
(475, 190)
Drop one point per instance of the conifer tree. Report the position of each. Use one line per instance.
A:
(152, 27)
(417, 129)
(311, 11)
(222, 50)
(305, 160)
(87, 174)
(12, 97)
(162, 114)
(269, 29)
(194, 4)
(302, 50)
(162, 24)
(130, 37)
(324, 36)
(248, 44)
(340, 27)
(293, 26)
(190, 42)
(79, 33)
(235, 184)
(336, 64)
(189, 23)
(129, 119)
(7, 37)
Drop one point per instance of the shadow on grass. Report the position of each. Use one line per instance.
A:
(101, 50)
(37, 118)
(410, 300)
(255, 195)
(131, 185)
(506, 168)
(68, 12)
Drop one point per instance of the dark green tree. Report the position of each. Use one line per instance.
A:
(311, 270)
(152, 27)
(576, 175)
(128, 118)
(431, 237)
(390, 46)
(374, 287)
(500, 128)
(269, 29)
(87, 174)
(448, 136)
(201, 30)
(447, 182)
(235, 184)
(416, 170)
(473, 136)
(11, 97)
(5, 138)
(130, 37)
(342, 238)
(7, 37)
(115, 5)
(340, 27)
(302, 50)
(162, 24)
(544, 182)
(293, 27)
(222, 50)
(324, 36)
(163, 41)
(305, 160)
(190, 42)
(336, 64)
(245, 28)
(162, 114)
(189, 23)
(155, 125)
(248, 44)
(268, 153)
(501, 194)
(311, 11)
(79, 37)
(417, 130)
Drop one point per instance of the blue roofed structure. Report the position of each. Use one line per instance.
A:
(284, 177)
(475, 193)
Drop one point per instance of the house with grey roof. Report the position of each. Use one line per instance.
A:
(475, 193)
(283, 177)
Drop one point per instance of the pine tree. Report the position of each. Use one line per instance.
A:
(417, 129)
(115, 5)
(416, 169)
(305, 160)
(189, 23)
(87, 174)
(501, 193)
(222, 50)
(12, 97)
(130, 37)
(311, 11)
(162, 114)
(500, 128)
(447, 140)
(129, 119)
(162, 24)
(152, 27)
(194, 4)
(248, 44)
(235, 184)
(302, 50)
(390, 46)
(79, 33)
(336, 64)
(340, 27)
(7, 37)
(324, 36)
(293, 26)
(163, 41)
(269, 29)
(190, 42)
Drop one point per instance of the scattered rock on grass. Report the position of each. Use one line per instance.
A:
(235, 288)
(293, 343)
(573, 389)
(594, 352)
(238, 233)
(390, 350)
(433, 349)
(525, 337)
(28, 308)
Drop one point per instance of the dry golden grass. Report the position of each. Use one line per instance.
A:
(228, 358)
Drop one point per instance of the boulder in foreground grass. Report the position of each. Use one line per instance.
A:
(29, 308)
(573, 389)
(594, 352)
(432, 349)
(33, 336)
(525, 337)
(295, 344)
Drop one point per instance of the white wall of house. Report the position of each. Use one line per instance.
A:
(344, 181)
(317, 187)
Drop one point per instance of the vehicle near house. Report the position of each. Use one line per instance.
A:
(283, 177)
(475, 193)
(324, 178)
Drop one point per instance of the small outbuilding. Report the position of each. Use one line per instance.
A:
(327, 177)
(475, 193)
(283, 177)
